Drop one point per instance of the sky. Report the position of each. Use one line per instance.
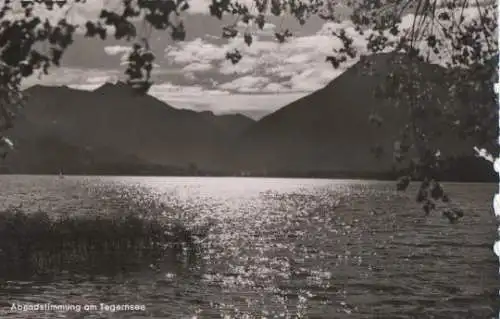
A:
(194, 74)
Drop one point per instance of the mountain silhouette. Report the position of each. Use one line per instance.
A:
(113, 119)
(329, 130)
(114, 130)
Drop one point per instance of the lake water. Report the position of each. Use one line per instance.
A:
(281, 248)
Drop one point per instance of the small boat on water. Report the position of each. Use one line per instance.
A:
(61, 175)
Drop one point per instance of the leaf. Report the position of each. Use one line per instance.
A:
(444, 16)
(421, 195)
(261, 5)
(261, 21)
(234, 56)
(431, 41)
(148, 68)
(215, 10)
(5, 141)
(275, 7)
(61, 3)
(5, 146)
(26, 69)
(102, 33)
(104, 14)
(134, 73)
(229, 32)
(445, 198)
(425, 184)
(166, 7)
(125, 29)
(453, 215)
(398, 157)
(45, 68)
(91, 29)
(246, 18)
(178, 32)
(458, 212)
(56, 56)
(394, 30)
(403, 183)
(184, 6)
(375, 119)
(130, 12)
(148, 56)
(49, 4)
(56, 35)
(333, 60)
(428, 207)
(280, 37)
(248, 38)
(437, 191)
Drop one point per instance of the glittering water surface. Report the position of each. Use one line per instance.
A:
(282, 248)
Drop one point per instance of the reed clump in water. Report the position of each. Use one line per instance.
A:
(39, 244)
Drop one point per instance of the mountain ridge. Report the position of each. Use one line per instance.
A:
(116, 118)
(330, 130)
(327, 131)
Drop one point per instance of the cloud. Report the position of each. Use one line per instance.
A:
(260, 84)
(267, 26)
(117, 49)
(85, 87)
(199, 6)
(298, 64)
(101, 79)
(197, 67)
(274, 88)
(247, 84)
(202, 6)
(196, 51)
(267, 30)
(73, 76)
(222, 101)
(313, 79)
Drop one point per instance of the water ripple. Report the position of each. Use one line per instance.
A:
(282, 248)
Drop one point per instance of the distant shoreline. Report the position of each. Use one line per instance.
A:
(371, 177)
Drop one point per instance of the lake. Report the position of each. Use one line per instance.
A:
(279, 248)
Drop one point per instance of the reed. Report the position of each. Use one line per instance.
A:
(39, 243)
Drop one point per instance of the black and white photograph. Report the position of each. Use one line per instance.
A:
(249, 159)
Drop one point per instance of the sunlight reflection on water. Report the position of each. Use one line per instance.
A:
(288, 248)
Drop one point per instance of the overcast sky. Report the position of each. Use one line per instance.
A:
(194, 74)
